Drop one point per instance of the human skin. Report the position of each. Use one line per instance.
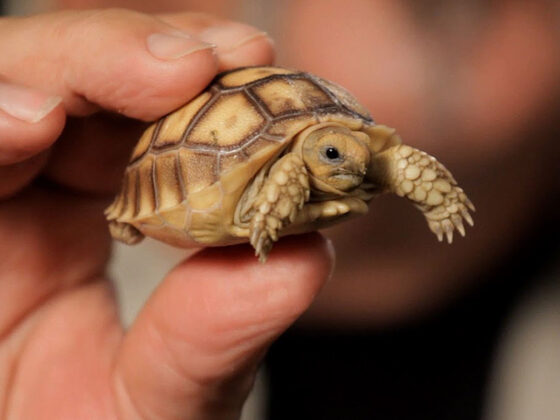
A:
(74, 89)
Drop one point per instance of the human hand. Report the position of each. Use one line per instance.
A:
(193, 351)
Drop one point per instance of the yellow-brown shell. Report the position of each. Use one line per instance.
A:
(190, 168)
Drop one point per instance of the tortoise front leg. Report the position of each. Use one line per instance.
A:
(412, 173)
(277, 204)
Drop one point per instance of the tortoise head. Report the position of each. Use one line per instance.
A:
(336, 157)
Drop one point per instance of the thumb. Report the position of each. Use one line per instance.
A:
(124, 61)
(194, 349)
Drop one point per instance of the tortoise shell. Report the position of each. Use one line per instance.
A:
(190, 168)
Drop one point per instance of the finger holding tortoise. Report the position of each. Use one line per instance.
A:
(265, 152)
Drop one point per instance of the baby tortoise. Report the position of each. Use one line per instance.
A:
(265, 152)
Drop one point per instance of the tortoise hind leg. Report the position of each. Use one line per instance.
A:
(125, 232)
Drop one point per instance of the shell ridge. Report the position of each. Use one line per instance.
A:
(272, 137)
(319, 83)
(155, 189)
(266, 79)
(179, 175)
(334, 105)
(189, 146)
(292, 114)
(230, 89)
(258, 102)
(207, 108)
(216, 93)
(124, 194)
(250, 140)
(137, 196)
(155, 134)
(205, 148)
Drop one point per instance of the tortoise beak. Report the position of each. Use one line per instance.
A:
(351, 174)
(354, 169)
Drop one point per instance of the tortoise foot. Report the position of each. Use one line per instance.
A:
(422, 179)
(125, 232)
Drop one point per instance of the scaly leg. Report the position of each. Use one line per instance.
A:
(277, 204)
(414, 174)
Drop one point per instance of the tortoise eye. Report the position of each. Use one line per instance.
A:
(332, 153)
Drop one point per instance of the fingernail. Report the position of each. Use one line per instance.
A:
(26, 104)
(174, 45)
(232, 36)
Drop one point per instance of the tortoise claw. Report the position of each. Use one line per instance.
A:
(437, 229)
(458, 223)
(445, 219)
(467, 216)
(260, 238)
(448, 229)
